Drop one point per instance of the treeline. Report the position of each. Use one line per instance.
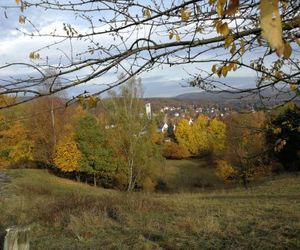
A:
(243, 146)
(112, 148)
(120, 147)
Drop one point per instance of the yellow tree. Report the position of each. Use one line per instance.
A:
(67, 155)
(200, 140)
(217, 135)
(15, 138)
(183, 134)
(16, 145)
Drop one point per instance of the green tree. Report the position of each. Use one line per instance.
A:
(130, 133)
(284, 136)
(97, 157)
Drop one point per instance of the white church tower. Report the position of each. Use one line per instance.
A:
(148, 110)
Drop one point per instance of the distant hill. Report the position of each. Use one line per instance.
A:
(267, 97)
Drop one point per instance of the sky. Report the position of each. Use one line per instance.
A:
(15, 47)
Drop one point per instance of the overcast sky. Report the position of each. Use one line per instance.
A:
(15, 47)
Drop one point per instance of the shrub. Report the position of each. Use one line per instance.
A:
(148, 184)
(172, 150)
(225, 171)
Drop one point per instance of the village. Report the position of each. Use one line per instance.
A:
(169, 116)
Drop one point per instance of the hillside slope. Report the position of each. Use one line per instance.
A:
(67, 215)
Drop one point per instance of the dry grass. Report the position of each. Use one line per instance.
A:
(69, 215)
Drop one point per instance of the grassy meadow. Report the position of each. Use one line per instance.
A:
(190, 175)
(64, 214)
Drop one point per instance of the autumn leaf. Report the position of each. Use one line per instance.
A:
(242, 47)
(214, 68)
(295, 89)
(270, 22)
(277, 131)
(178, 37)
(185, 14)
(233, 49)
(17, 1)
(92, 101)
(224, 30)
(199, 29)
(22, 19)
(287, 50)
(220, 7)
(147, 13)
(34, 55)
(228, 41)
(171, 34)
(233, 7)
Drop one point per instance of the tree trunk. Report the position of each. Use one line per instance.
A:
(78, 177)
(95, 180)
(245, 181)
(130, 175)
(53, 123)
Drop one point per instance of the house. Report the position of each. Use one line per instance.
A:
(164, 127)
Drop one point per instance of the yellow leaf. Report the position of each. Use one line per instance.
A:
(228, 41)
(242, 47)
(34, 55)
(234, 68)
(214, 68)
(277, 131)
(185, 14)
(219, 72)
(22, 19)
(285, 4)
(278, 75)
(92, 101)
(287, 50)
(224, 30)
(270, 22)
(177, 37)
(218, 24)
(147, 13)
(233, 7)
(220, 7)
(17, 1)
(293, 87)
(233, 49)
(224, 71)
(199, 29)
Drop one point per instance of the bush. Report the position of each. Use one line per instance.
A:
(148, 184)
(225, 171)
(172, 150)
